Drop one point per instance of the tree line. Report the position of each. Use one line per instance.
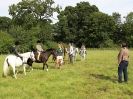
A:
(84, 23)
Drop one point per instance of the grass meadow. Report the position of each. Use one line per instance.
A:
(93, 78)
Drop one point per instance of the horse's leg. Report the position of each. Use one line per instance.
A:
(24, 69)
(31, 68)
(75, 57)
(47, 67)
(84, 56)
(81, 57)
(14, 72)
(45, 64)
(72, 59)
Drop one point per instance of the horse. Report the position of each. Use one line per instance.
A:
(44, 56)
(82, 53)
(15, 61)
(70, 55)
(75, 53)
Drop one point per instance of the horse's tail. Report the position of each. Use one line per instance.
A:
(5, 67)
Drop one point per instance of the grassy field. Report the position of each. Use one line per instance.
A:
(94, 78)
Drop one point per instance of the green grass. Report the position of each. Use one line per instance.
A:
(94, 78)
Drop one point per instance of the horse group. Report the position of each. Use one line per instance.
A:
(30, 57)
(73, 57)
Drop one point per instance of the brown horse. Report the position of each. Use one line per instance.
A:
(44, 56)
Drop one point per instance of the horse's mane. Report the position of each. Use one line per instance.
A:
(50, 49)
(25, 53)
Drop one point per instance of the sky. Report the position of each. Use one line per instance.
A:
(123, 7)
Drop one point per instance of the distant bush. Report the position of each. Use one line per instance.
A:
(108, 44)
(6, 40)
(51, 44)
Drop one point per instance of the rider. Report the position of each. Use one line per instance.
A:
(71, 52)
(15, 49)
(39, 49)
(71, 48)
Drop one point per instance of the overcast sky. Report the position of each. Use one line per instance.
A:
(107, 6)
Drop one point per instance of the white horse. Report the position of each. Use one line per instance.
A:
(14, 61)
(75, 53)
(83, 53)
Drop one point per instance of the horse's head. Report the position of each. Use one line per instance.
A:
(29, 61)
(53, 52)
(28, 55)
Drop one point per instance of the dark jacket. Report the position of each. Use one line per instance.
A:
(59, 52)
(14, 50)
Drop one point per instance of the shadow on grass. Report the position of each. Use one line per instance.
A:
(78, 59)
(51, 62)
(38, 68)
(104, 77)
(41, 67)
(128, 92)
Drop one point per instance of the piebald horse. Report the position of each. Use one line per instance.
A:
(14, 61)
(83, 53)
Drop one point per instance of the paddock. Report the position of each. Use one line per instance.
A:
(95, 78)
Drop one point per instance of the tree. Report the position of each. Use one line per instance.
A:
(6, 41)
(101, 30)
(85, 24)
(128, 30)
(118, 33)
(31, 21)
(117, 18)
(73, 22)
(5, 23)
(31, 12)
(129, 18)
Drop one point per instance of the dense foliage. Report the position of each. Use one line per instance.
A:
(84, 23)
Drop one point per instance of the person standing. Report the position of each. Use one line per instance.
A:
(71, 52)
(59, 58)
(123, 58)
